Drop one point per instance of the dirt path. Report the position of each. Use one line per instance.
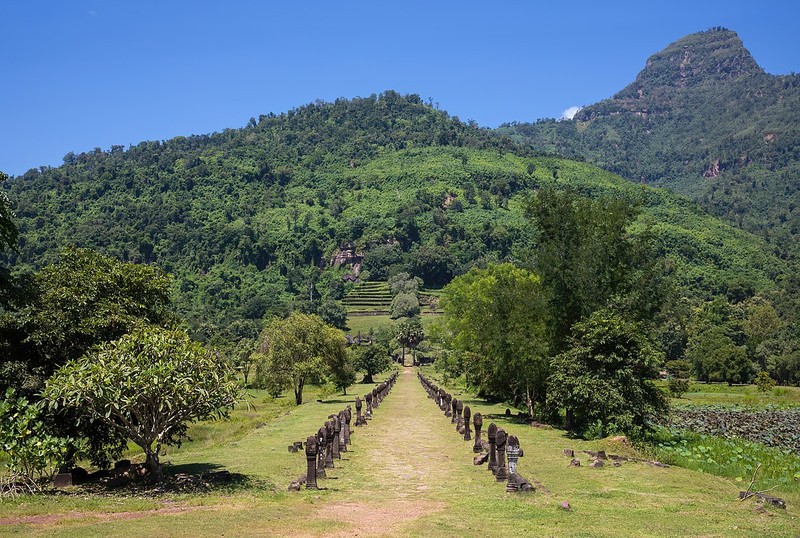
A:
(400, 462)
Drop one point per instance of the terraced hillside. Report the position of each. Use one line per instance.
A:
(368, 298)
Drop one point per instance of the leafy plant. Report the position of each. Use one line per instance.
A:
(764, 382)
(147, 386)
(33, 454)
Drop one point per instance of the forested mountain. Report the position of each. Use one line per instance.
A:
(702, 119)
(247, 219)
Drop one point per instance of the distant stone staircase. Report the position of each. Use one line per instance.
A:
(368, 298)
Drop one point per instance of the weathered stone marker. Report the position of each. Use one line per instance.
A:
(477, 421)
(348, 415)
(311, 460)
(329, 445)
(454, 412)
(360, 420)
(512, 451)
(467, 430)
(342, 442)
(337, 428)
(500, 439)
(322, 435)
(459, 417)
(368, 397)
(448, 399)
(492, 434)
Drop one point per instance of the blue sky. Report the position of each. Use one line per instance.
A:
(79, 74)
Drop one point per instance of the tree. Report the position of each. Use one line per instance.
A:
(333, 313)
(371, 360)
(8, 230)
(585, 256)
(147, 386)
(405, 305)
(409, 334)
(84, 300)
(498, 319)
(298, 350)
(605, 379)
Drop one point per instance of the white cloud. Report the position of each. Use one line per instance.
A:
(569, 113)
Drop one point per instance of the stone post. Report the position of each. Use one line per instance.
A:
(459, 417)
(337, 428)
(492, 433)
(454, 412)
(329, 445)
(477, 421)
(465, 423)
(342, 442)
(360, 421)
(311, 460)
(502, 472)
(322, 433)
(368, 397)
(375, 399)
(348, 415)
(448, 399)
(513, 452)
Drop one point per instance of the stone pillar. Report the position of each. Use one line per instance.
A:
(368, 397)
(329, 445)
(342, 442)
(448, 399)
(459, 417)
(492, 433)
(502, 472)
(311, 460)
(465, 423)
(477, 421)
(337, 428)
(513, 452)
(322, 433)
(454, 411)
(375, 399)
(360, 421)
(348, 415)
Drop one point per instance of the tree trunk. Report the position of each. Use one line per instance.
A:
(153, 466)
(298, 392)
(570, 419)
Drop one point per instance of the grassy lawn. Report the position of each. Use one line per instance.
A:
(365, 323)
(745, 395)
(408, 473)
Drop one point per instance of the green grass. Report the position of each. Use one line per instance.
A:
(408, 473)
(743, 395)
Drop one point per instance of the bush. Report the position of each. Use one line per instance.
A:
(678, 387)
(764, 382)
(34, 455)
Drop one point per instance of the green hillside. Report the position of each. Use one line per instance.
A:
(247, 219)
(702, 119)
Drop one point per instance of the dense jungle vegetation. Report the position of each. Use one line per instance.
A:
(702, 119)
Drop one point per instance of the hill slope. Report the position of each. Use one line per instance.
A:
(702, 119)
(247, 219)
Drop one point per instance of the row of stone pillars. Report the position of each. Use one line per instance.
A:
(499, 447)
(333, 438)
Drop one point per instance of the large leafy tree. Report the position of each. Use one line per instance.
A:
(148, 386)
(498, 319)
(586, 258)
(605, 379)
(371, 360)
(298, 350)
(83, 300)
(409, 333)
